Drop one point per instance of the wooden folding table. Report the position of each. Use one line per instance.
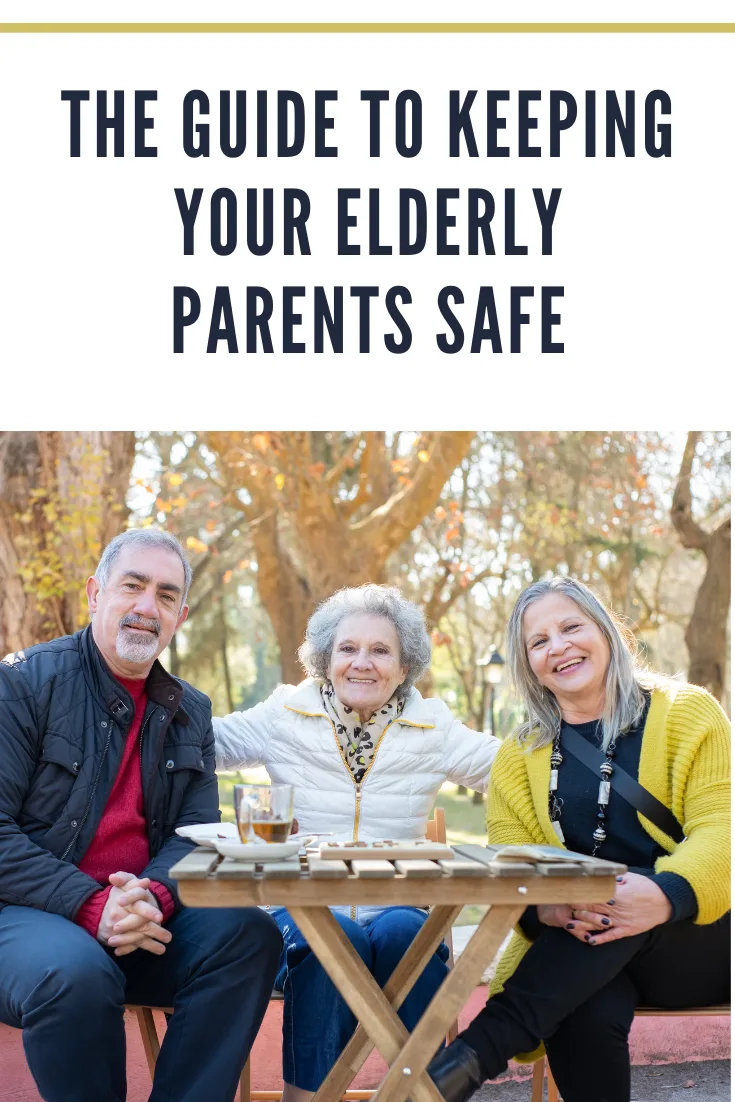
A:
(473, 876)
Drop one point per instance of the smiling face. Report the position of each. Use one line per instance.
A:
(365, 668)
(135, 616)
(569, 655)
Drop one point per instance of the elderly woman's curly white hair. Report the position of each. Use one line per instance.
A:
(377, 600)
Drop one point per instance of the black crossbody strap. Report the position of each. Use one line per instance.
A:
(625, 785)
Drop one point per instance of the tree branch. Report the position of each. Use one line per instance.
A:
(690, 533)
(390, 524)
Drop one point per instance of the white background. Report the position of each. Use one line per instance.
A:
(91, 248)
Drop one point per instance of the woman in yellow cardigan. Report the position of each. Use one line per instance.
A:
(572, 977)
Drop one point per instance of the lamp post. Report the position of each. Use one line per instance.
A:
(491, 667)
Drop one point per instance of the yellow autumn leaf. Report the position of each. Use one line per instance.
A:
(280, 481)
(175, 479)
(196, 545)
(423, 456)
(227, 576)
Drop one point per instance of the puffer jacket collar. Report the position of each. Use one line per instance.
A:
(307, 701)
(160, 687)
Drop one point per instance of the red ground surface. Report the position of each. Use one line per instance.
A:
(654, 1040)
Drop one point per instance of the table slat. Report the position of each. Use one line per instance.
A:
(419, 868)
(562, 869)
(281, 870)
(377, 869)
(486, 856)
(326, 870)
(230, 869)
(196, 865)
(460, 867)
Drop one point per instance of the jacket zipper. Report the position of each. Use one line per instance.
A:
(142, 732)
(83, 819)
(358, 787)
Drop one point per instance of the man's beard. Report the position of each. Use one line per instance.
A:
(137, 648)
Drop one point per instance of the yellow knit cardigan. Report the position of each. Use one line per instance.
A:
(685, 763)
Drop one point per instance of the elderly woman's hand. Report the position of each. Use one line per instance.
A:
(639, 905)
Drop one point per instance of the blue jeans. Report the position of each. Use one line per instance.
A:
(66, 992)
(317, 1023)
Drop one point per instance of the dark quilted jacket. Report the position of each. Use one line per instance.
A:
(63, 721)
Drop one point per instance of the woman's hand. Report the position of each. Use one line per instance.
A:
(639, 905)
(580, 923)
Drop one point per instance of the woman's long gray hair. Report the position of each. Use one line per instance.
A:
(624, 684)
(377, 600)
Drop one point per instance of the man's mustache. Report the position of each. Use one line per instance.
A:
(131, 621)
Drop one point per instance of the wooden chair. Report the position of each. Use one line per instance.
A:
(541, 1067)
(436, 831)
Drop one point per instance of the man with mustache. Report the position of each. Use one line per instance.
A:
(103, 755)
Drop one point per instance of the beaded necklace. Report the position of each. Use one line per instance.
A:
(603, 794)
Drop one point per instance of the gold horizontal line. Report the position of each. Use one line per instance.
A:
(367, 28)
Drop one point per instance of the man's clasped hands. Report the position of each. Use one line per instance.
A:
(132, 917)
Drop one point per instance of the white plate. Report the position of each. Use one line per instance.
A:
(206, 834)
(260, 851)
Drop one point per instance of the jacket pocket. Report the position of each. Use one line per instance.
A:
(182, 764)
(56, 773)
(178, 756)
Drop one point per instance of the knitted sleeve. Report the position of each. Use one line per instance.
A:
(511, 819)
(699, 736)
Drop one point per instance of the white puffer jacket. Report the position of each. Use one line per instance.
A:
(292, 736)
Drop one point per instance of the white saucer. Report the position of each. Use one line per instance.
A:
(207, 834)
(261, 851)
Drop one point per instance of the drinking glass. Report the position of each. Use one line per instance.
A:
(264, 812)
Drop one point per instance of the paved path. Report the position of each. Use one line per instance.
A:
(708, 1081)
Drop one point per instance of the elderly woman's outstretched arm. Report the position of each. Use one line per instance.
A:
(469, 755)
(241, 738)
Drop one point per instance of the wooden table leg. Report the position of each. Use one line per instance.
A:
(408, 1069)
(358, 988)
(407, 971)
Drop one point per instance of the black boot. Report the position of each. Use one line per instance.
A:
(457, 1071)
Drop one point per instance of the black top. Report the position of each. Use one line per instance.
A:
(627, 841)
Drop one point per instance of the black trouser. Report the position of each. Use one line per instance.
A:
(579, 999)
(67, 993)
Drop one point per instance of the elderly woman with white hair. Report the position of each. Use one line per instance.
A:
(367, 755)
(617, 762)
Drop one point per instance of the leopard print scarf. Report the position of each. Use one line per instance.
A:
(358, 740)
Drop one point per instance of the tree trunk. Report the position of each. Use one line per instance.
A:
(307, 539)
(284, 595)
(223, 654)
(706, 634)
(62, 498)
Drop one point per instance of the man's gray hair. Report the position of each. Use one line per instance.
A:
(142, 537)
(625, 682)
(377, 600)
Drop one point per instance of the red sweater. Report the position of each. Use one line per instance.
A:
(121, 841)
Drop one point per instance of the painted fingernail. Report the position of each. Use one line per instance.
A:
(619, 879)
(611, 902)
(593, 943)
(586, 937)
(605, 921)
(570, 925)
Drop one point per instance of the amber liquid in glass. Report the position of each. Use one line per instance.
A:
(269, 830)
